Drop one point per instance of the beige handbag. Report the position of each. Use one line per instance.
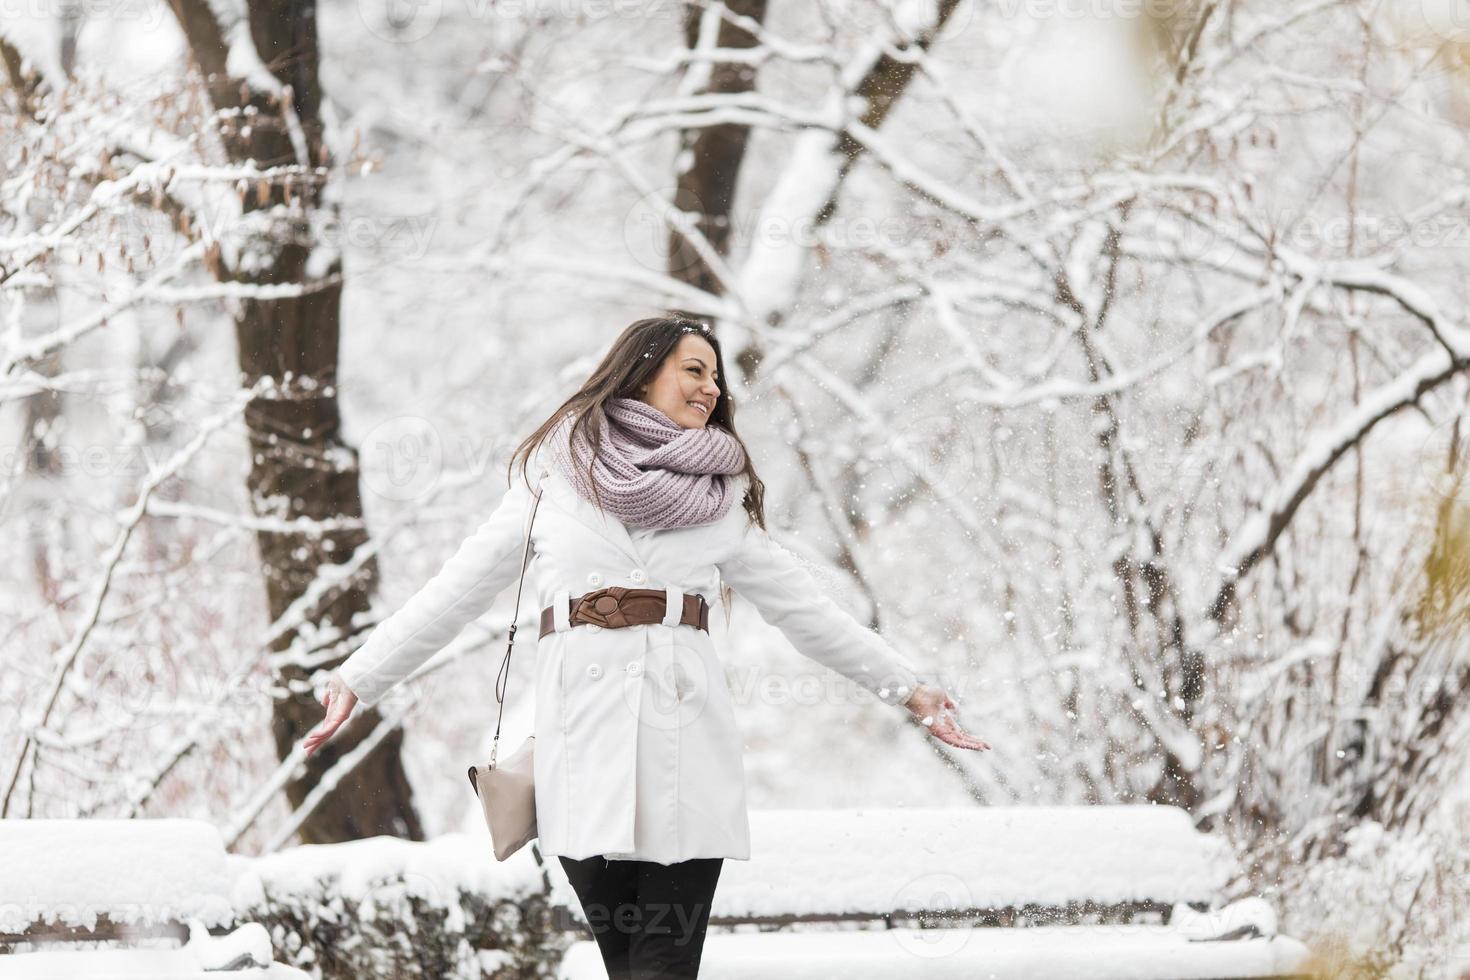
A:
(507, 792)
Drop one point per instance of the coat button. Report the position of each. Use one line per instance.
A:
(637, 575)
(592, 627)
(594, 578)
(594, 671)
(635, 668)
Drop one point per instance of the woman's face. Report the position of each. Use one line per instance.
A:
(684, 387)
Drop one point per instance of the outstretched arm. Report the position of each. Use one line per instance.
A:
(789, 598)
(487, 562)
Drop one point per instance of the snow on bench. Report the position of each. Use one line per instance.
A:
(68, 881)
(1005, 861)
(1103, 891)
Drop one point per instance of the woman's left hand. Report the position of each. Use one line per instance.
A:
(932, 706)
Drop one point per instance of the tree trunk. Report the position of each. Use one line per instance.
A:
(707, 187)
(300, 467)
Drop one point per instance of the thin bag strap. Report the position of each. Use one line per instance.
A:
(504, 675)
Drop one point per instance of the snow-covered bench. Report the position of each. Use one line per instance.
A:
(125, 882)
(1107, 891)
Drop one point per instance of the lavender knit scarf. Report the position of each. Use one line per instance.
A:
(651, 471)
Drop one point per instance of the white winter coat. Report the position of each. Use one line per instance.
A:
(637, 750)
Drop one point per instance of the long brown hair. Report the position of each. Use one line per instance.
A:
(636, 356)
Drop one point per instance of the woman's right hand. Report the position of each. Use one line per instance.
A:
(339, 701)
(933, 707)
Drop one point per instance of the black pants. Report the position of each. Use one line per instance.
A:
(649, 919)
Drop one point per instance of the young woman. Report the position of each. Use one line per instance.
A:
(640, 785)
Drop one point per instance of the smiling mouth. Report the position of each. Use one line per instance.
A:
(699, 407)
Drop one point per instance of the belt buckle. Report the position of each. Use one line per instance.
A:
(603, 607)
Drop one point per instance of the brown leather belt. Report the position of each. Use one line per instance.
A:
(616, 606)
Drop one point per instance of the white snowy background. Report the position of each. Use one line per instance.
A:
(1093, 330)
